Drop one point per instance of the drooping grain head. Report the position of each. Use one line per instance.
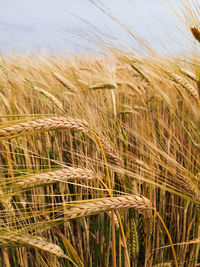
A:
(196, 33)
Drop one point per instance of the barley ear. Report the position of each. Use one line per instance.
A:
(196, 33)
(69, 173)
(44, 124)
(163, 264)
(134, 244)
(107, 204)
(13, 240)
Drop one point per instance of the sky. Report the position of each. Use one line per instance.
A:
(60, 25)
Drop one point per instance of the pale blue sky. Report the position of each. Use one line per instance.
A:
(46, 24)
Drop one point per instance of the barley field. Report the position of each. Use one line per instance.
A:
(100, 158)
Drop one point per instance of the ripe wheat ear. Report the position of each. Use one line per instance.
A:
(108, 204)
(196, 33)
(68, 173)
(52, 123)
(12, 240)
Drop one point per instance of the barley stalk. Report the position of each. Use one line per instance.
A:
(189, 187)
(13, 240)
(52, 123)
(108, 204)
(196, 33)
(188, 74)
(134, 245)
(99, 86)
(191, 90)
(68, 173)
(65, 82)
(47, 141)
(4, 101)
(182, 81)
(44, 124)
(50, 96)
(163, 264)
(115, 218)
(6, 202)
(148, 227)
(111, 152)
(134, 187)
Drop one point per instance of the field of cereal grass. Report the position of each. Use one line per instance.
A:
(100, 162)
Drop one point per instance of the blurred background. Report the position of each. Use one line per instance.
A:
(65, 25)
